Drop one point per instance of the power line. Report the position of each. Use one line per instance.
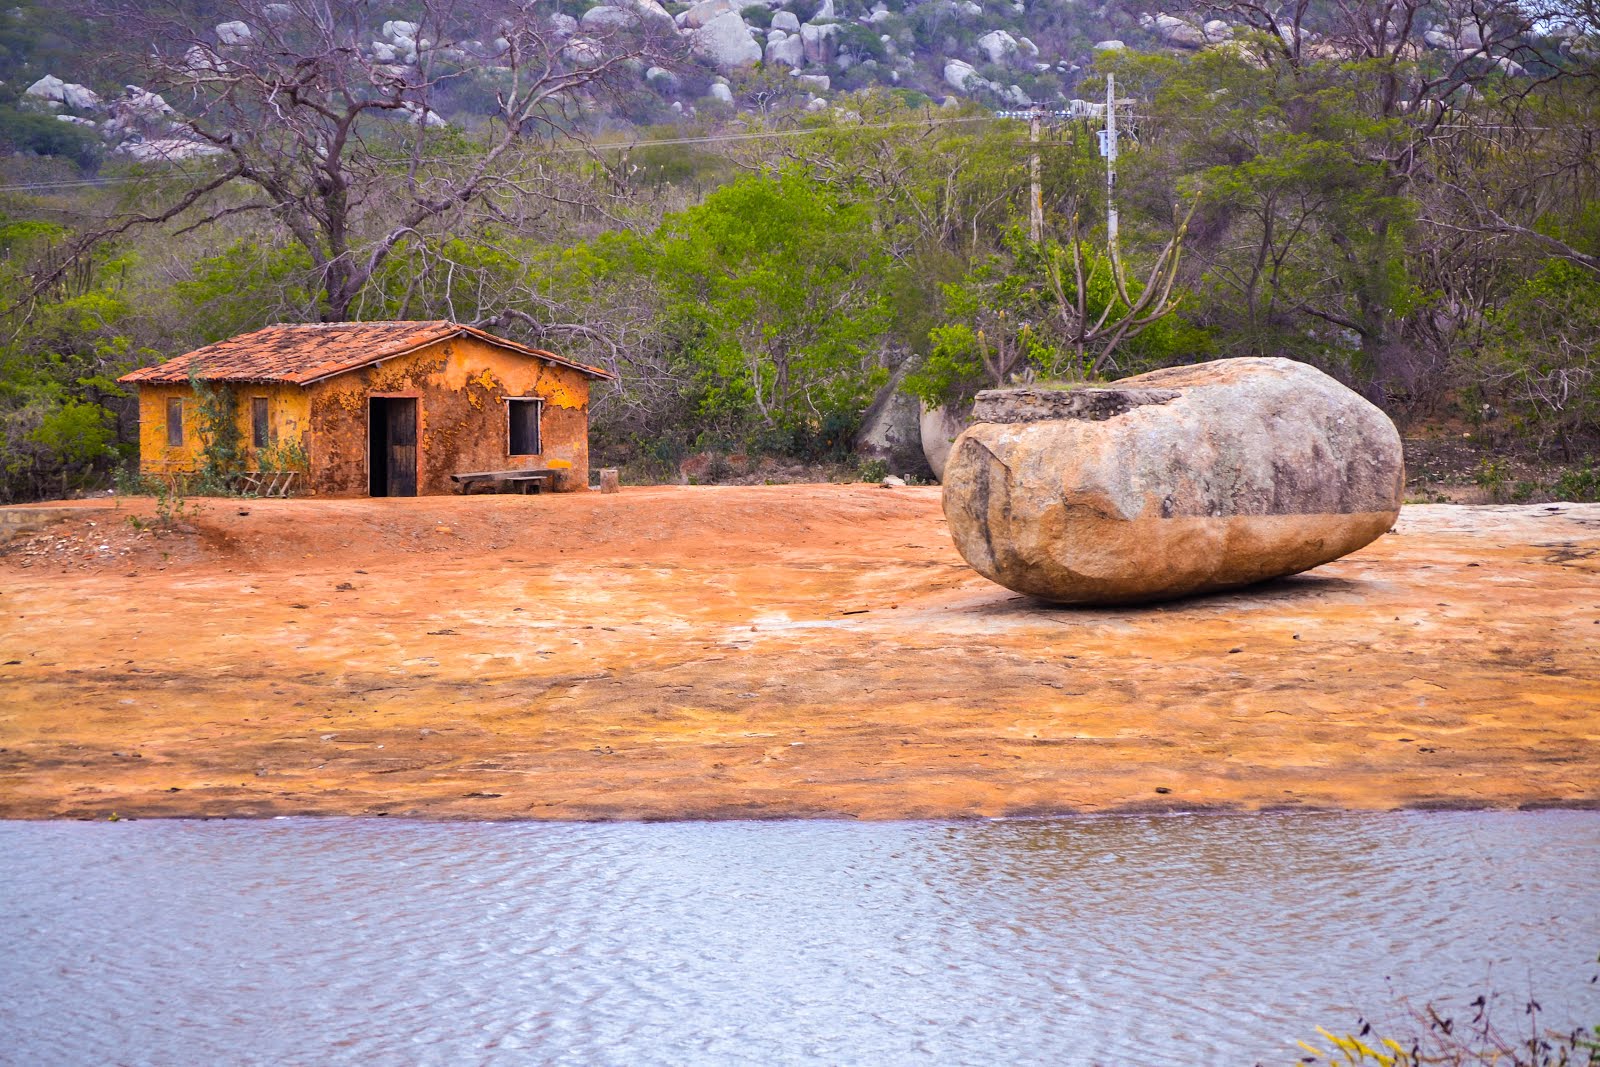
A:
(96, 183)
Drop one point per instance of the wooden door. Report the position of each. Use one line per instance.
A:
(401, 416)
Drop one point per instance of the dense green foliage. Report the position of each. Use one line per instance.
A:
(761, 290)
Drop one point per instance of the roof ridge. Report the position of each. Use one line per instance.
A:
(354, 323)
(297, 358)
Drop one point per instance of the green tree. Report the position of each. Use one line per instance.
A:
(772, 288)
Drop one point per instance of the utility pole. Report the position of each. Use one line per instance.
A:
(1036, 191)
(1111, 164)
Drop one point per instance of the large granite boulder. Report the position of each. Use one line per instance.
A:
(1180, 481)
(725, 43)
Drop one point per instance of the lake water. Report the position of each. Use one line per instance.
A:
(1130, 940)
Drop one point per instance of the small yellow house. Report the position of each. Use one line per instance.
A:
(376, 408)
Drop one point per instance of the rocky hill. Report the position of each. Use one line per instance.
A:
(718, 56)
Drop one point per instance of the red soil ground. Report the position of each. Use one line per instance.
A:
(814, 650)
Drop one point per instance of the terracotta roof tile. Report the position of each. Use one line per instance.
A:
(301, 353)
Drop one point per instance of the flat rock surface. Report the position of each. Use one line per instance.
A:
(772, 651)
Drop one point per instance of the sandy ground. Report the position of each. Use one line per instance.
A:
(769, 651)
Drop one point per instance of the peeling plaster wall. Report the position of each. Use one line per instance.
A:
(460, 385)
(288, 413)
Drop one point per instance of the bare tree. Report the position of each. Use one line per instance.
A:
(307, 113)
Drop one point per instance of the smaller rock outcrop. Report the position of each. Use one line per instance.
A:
(937, 429)
(889, 430)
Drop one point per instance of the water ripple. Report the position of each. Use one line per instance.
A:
(1215, 940)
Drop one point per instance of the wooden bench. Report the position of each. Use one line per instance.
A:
(521, 481)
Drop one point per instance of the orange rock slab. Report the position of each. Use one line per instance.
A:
(704, 652)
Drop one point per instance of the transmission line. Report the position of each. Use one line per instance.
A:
(128, 179)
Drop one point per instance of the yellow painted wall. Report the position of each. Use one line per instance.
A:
(460, 385)
(288, 412)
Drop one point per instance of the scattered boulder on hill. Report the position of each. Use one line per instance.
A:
(1173, 30)
(233, 33)
(617, 13)
(787, 50)
(1180, 481)
(702, 13)
(725, 43)
(998, 46)
(605, 17)
(138, 113)
(819, 41)
(958, 73)
(53, 91)
(663, 79)
(787, 21)
(48, 87)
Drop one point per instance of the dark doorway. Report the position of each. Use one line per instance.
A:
(392, 443)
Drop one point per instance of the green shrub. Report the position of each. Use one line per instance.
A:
(1493, 476)
(46, 135)
(1579, 484)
